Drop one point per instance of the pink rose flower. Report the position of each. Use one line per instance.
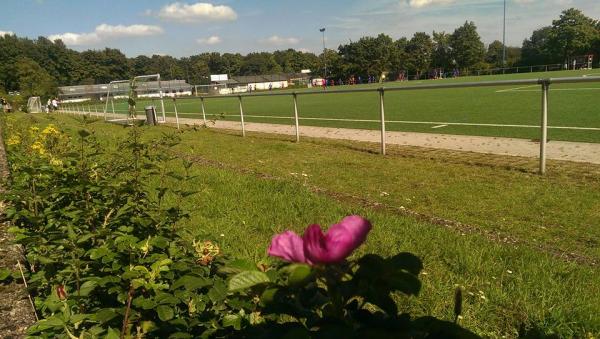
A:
(287, 246)
(316, 247)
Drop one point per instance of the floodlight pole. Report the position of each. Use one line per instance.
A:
(504, 38)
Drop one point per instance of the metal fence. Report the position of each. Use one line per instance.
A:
(543, 83)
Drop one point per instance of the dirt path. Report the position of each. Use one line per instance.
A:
(556, 150)
(16, 314)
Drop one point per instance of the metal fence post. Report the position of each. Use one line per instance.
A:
(544, 126)
(296, 117)
(382, 113)
(203, 113)
(242, 116)
(176, 114)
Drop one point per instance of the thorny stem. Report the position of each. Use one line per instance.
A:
(126, 319)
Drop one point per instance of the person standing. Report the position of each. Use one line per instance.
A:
(55, 104)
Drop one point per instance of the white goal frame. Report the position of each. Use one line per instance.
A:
(132, 82)
(35, 105)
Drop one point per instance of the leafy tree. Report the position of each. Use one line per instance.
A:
(494, 54)
(292, 61)
(419, 52)
(259, 63)
(34, 80)
(572, 34)
(467, 48)
(442, 53)
(535, 49)
(400, 56)
(231, 63)
(368, 55)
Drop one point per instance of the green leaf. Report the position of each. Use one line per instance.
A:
(144, 303)
(238, 265)
(299, 275)
(165, 313)
(247, 279)
(76, 318)
(5, 274)
(268, 296)
(87, 287)
(218, 292)
(191, 282)
(233, 320)
(44, 260)
(105, 315)
(112, 334)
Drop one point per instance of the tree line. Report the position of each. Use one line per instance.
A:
(37, 67)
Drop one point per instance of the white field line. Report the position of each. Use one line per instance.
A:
(524, 89)
(515, 89)
(558, 89)
(439, 126)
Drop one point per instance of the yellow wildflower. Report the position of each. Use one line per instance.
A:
(14, 139)
(55, 162)
(33, 130)
(50, 130)
(38, 147)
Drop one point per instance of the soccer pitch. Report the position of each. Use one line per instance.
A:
(505, 111)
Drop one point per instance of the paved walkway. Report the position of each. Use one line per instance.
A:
(556, 150)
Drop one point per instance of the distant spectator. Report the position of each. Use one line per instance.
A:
(270, 86)
(55, 104)
(48, 106)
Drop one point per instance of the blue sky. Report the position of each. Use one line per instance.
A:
(186, 27)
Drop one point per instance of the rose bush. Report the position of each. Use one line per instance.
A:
(106, 258)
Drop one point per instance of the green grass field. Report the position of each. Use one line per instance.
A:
(573, 108)
(524, 247)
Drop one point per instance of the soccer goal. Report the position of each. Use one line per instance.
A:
(34, 105)
(214, 89)
(580, 62)
(147, 86)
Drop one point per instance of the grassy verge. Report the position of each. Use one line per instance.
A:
(255, 187)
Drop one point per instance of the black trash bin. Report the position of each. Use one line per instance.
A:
(150, 115)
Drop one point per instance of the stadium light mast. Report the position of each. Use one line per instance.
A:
(504, 38)
(322, 30)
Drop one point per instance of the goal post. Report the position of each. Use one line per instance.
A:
(141, 84)
(34, 105)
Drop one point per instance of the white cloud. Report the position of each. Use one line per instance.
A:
(276, 40)
(106, 32)
(424, 3)
(196, 12)
(213, 40)
(3, 33)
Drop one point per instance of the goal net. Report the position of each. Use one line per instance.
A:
(580, 62)
(214, 89)
(145, 89)
(34, 105)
